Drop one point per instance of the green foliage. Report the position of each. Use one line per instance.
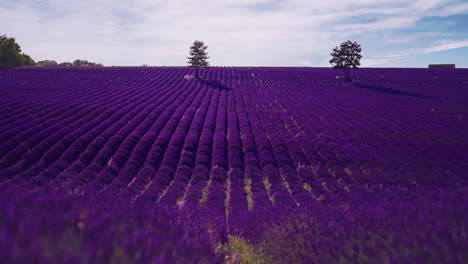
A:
(243, 253)
(66, 64)
(10, 54)
(80, 63)
(48, 63)
(248, 190)
(28, 61)
(346, 57)
(75, 63)
(198, 56)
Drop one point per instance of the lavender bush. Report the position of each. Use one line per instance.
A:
(422, 228)
(60, 228)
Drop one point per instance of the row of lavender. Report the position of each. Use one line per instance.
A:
(376, 131)
(93, 140)
(239, 143)
(134, 142)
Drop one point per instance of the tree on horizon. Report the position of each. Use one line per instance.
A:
(79, 63)
(198, 57)
(11, 55)
(346, 57)
(48, 63)
(75, 63)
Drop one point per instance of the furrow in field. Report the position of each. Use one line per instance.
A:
(216, 189)
(237, 200)
(37, 130)
(259, 186)
(96, 138)
(128, 155)
(100, 153)
(175, 191)
(282, 159)
(164, 174)
(41, 146)
(199, 182)
(296, 144)
(44, 112)
(280, 191)
(148, 155)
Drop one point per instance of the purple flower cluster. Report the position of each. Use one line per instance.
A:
(62, 228)
(398, 227)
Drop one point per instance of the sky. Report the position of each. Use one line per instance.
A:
(392, 33)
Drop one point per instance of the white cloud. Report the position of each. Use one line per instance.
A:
(389, 23)
(238, 32)
(444, 45)
(451, 10)
(379, 60)
(448, 45)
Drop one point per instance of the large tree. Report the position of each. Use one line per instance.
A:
(346, 57)
(198, 57)
(10, 54)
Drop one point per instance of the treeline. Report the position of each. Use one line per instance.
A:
(11, 55)
(75, 63)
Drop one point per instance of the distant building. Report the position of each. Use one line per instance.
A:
(442, 66)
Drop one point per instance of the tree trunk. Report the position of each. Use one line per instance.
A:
(346, 73)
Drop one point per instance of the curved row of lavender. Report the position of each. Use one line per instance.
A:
(240, 151)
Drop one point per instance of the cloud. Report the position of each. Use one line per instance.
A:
(451, 10)
(380, 60)
(443, 45)
(238, 32)
(448, 45)
(390, 23)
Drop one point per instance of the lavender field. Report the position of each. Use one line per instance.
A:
(247, 165)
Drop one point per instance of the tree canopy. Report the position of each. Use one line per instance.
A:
(198, 56)
(66, 64)
(10, 54)
(48, 63)
(78, 63)
(346, 57)
(75, 63)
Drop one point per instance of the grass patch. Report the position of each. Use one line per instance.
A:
(288, 188)
(248, 189)
(243, 252)
(307, 187)
(228, 195)
(205, 193)
(267, 184)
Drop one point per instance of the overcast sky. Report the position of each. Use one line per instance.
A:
(393, 33)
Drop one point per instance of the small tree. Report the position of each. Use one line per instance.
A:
(345, 57)
(198, 57)
(66, 64)
(48, 63)
(80, 63)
